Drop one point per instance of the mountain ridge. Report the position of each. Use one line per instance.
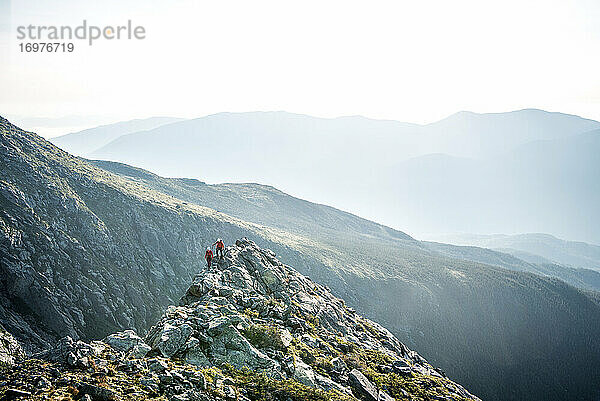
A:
(255, 328)
(347, 163)
(83, 142)
(268, 206)
(549, 247)
(82, 247)
(318, 212)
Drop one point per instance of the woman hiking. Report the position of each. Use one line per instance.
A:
(208, 256)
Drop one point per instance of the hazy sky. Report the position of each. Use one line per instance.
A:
(414, 61)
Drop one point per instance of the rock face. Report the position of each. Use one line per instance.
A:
(10, 349)
(248, 328)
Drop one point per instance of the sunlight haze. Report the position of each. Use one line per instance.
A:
(327, 59)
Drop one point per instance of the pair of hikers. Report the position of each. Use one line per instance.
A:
(220, 248)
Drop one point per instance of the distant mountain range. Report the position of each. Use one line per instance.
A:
(546, 186)
(86, 141)
(535, 248)
(481, 136)
(86, 251)
(522, 171)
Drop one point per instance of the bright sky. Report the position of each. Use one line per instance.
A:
(415, 61)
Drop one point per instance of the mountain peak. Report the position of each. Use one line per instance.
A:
(251, 311)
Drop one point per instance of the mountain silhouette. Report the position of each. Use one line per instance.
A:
(498, 167)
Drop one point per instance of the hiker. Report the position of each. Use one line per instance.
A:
(208, 256)
(220, 247)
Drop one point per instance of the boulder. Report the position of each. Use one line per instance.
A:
(157, 365)
(285, 337)
(124, 341)
(339, 365)
(400, 363)
(173, 339)
(195, 356)
(304, 374)
(327, 384)
(139, 350)
(361, 386)
(73, 353)
(97, 393)
(151, 384)
(230, 346)
(197, 378)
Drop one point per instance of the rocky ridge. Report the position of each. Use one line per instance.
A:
(248, 328)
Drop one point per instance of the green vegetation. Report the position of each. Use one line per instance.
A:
(259, 386)
(250, 313)
(313, 322)
(314, 357)
(420, 387)
(262, 336)
(255, 386)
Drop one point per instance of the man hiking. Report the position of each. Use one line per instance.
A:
(220, 248)
(208, 256)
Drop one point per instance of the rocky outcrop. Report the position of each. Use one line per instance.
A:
(128, 342)
(248, 328)
(10, 349)
(249, 310)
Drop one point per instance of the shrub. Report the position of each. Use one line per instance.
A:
(263, 336)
